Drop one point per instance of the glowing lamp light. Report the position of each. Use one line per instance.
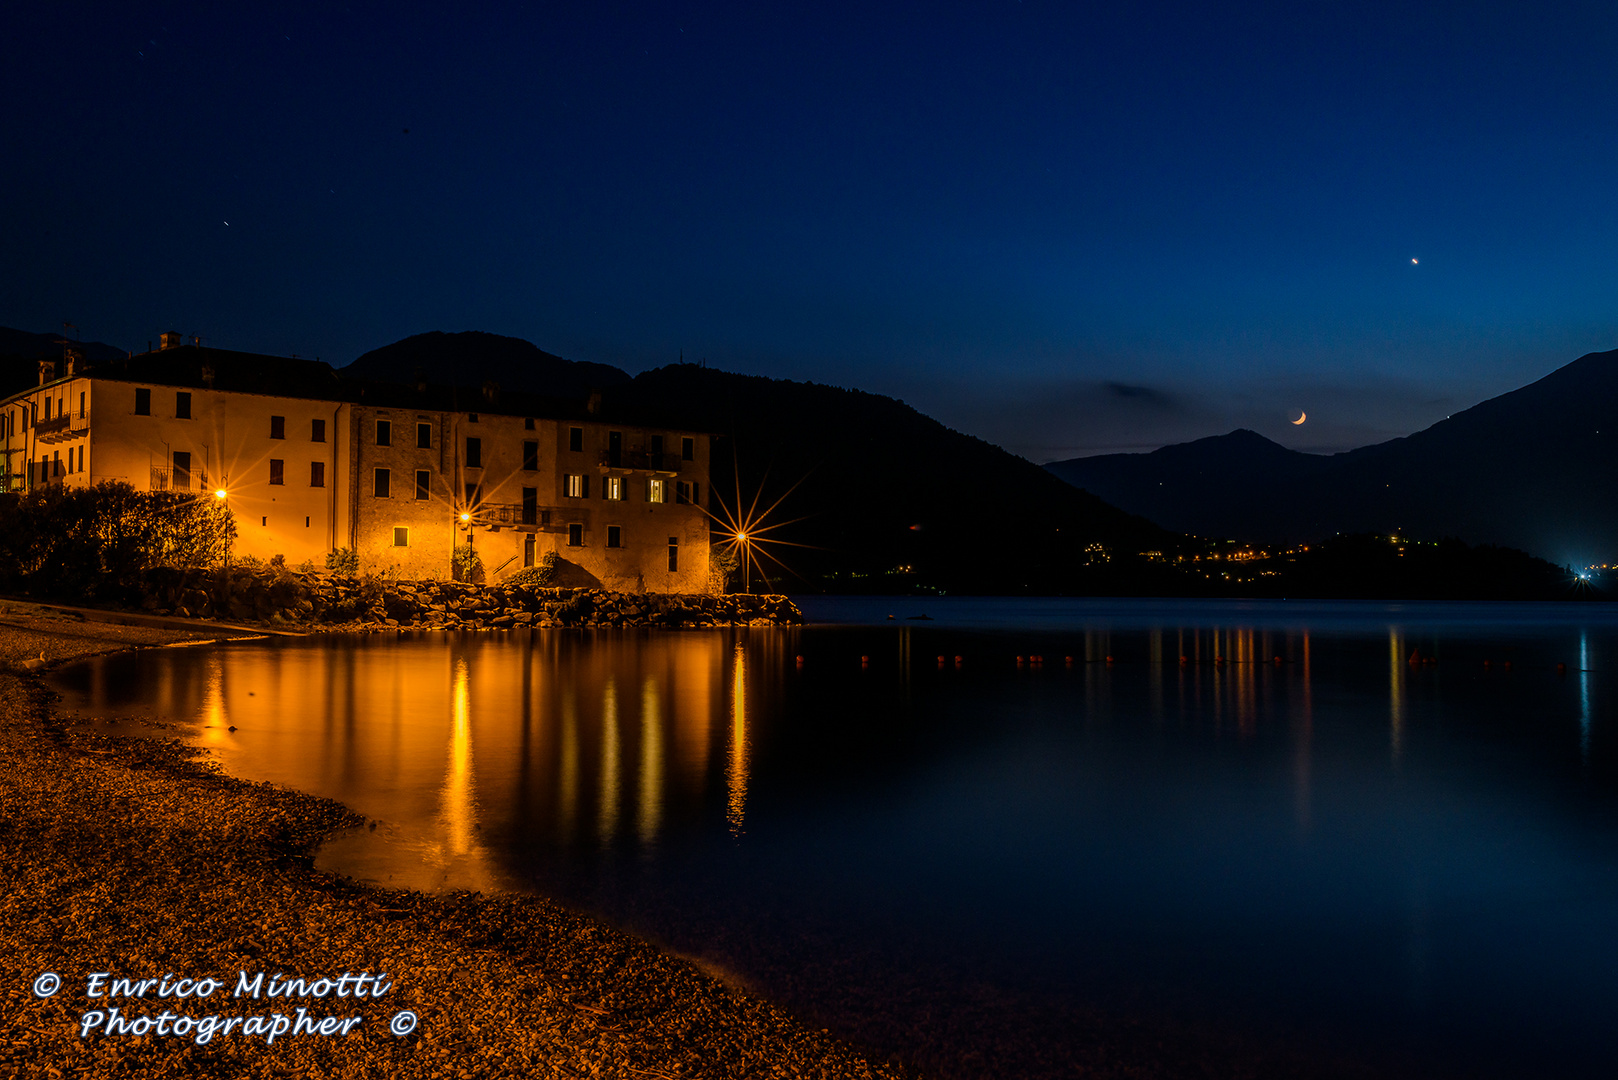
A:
(220, 494)
(466, 517)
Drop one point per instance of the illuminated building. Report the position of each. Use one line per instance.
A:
(309, 462)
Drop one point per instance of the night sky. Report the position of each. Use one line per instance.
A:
(1067, 228)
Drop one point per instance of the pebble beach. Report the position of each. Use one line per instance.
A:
(136, 858)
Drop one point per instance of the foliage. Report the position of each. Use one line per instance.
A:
(344, 562)
(97, 542)
(723, 564)
(538, 575)
(468, 564)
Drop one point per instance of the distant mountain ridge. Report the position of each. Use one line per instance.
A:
(21, 351)
(1531, 469)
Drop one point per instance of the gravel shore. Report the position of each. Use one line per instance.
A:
(136, 858)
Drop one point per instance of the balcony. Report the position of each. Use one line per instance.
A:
(69, 425)
(193, 482)
(513, 516)
(641, 460)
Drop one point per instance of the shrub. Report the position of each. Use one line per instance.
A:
(538, 575)
(344, 562)
(468, 564)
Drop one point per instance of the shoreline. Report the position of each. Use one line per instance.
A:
(139, 857)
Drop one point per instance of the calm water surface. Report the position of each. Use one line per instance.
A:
(1295, 834)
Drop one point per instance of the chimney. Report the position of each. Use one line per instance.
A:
(75, 360)
(593, 406)
(47, 371)
(171, 339)
(207, 375)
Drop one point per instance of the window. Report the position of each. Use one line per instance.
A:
(81, 404)
(530, 507)
(143, 402)
(383, 480)
(674, 554)
(528, 423)
(81, 458)
(615, 449)
(474, 453)
(317, 474)
(423, 480)
(278, 427)
(182, 471)
(575, 486)
(471, 418)
(575, 535)
(530, 456)
(656, 449)
(317, 431)
(682, 492)
(277, 471)
(424, 436)
(656, 490)
(688, 449)
(615, 536)
(696, 500)
(401, 537)
(528, 550)
(612, 487)
(48, 408)
(384, 433)
(575, 438)
(182, 405)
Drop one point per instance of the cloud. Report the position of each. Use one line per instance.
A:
(1143, 395)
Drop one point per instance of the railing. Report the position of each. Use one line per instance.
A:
(195, 480)
(67, 425)
(512, 516)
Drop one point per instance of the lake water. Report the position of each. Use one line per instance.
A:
(1293, 836)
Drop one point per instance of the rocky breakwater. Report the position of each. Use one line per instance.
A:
(291, 599)
(455, 606)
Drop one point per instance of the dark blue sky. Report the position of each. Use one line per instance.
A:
(1066, 228)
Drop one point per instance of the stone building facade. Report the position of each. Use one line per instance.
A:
(309, 463)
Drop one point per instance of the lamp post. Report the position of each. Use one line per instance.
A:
(223, 495)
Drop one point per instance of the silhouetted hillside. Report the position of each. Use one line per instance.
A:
(474, 357)
(1531, 469)
(21, 351)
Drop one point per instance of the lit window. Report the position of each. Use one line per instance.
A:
(612, 487)
(656, 491)
(575, 486)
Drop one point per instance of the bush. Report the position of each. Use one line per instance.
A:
(537, 576)
(344, 562)
(99, 542)
(468, 564)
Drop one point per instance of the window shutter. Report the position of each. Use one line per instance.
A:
(586, 481)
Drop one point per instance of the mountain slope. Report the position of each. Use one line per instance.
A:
(21, 351)
(473, 357)
(1530, 469)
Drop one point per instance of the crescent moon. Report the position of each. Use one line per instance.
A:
(1302, 416)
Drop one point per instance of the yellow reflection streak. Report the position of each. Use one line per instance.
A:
(607, 825)
(651, 762)
(459, 813)
(736, 773)
(568, 793)
(1396, 691)
(214, 713)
